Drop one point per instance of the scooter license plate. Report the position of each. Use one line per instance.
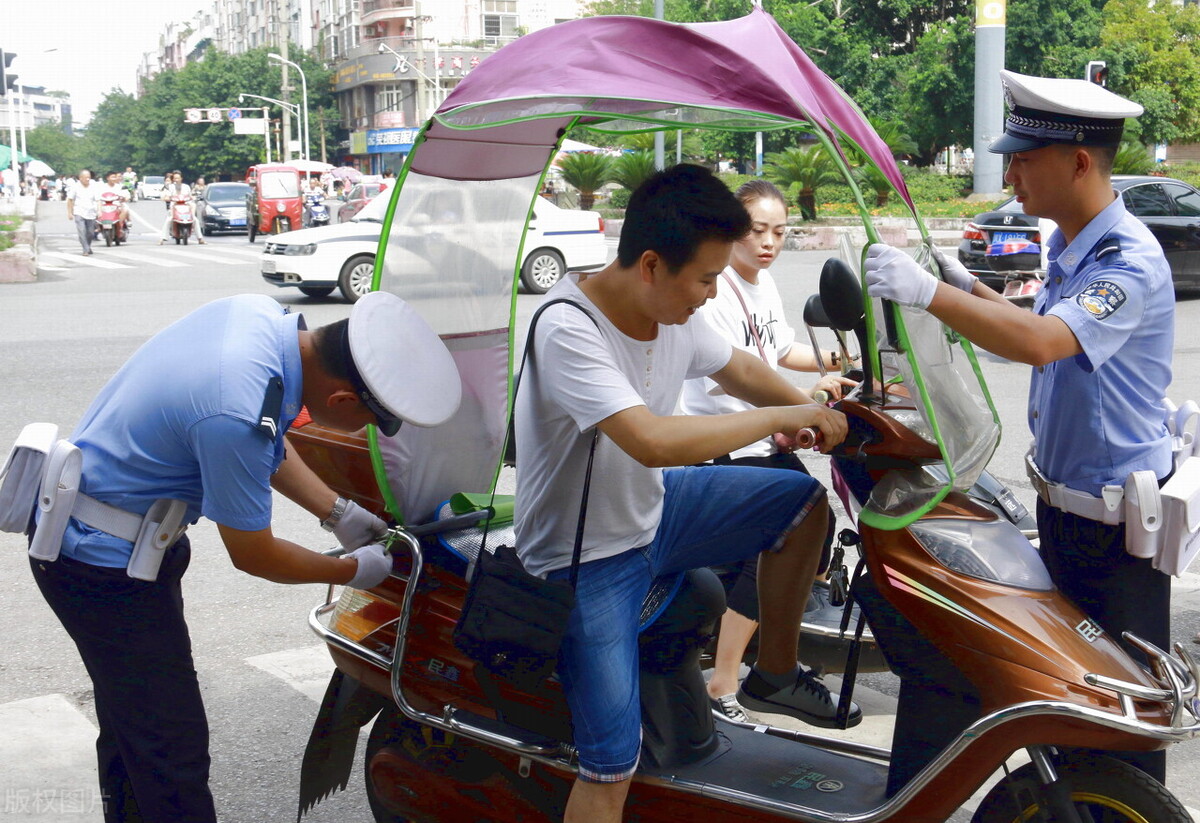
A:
(234, 221)
(268, 266)
(1005, 236)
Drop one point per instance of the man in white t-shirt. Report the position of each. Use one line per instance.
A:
(83, 201)
(624, 378)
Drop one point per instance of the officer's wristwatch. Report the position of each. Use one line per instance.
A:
(335, 516)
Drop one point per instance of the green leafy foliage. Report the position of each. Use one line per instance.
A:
(804, 169)
(631, 169)
(149, 132)
(587, 172)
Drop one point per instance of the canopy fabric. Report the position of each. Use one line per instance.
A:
(6, 156)
(741, 74)
(39, 169)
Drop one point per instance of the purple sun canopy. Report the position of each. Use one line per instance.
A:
(744, 74)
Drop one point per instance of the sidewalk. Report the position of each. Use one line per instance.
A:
(19, 263)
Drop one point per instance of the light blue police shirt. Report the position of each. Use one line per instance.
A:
(1098, 416)
(184, 419)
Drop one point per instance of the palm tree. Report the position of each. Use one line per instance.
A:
(806, 167)
(632, 169)
(1132, 158)
(868, 176)
(586, 171)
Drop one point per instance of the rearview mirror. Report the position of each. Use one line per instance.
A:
(841, 295)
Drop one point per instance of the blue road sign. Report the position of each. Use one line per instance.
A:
(234, 114)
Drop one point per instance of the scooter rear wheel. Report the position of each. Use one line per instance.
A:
(1108, 790)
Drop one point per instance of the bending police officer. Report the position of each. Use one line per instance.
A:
(199, 414)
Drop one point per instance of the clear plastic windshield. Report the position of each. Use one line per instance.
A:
(934, 386)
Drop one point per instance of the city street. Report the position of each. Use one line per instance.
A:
(261, 670)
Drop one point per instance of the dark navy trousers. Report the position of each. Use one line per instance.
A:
(153, 744)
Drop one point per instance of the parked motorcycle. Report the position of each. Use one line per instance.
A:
(182, 218)
(993, 661)
(108, 219)
(1020, 262)
(315, 211)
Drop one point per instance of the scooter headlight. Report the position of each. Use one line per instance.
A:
(995, 551)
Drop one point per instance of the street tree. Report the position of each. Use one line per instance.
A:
(1153, 55)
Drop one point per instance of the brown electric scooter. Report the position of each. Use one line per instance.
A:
(993, 661)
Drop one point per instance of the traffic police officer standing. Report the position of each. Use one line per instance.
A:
(1100, 340)
(198, 415)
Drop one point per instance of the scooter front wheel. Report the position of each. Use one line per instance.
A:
(1101, 788)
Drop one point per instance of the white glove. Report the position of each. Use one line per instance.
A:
(374, 566)
(358, 527)
(893, 275)
(954, 272)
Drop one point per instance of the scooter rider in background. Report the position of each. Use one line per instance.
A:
(114, 186)
(175, 187)
(1099, 338)
(198, 417)
(129, 180)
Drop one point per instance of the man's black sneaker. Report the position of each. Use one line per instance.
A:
(807, 699)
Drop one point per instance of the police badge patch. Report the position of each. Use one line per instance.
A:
(1102, 298)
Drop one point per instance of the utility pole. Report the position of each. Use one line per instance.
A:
(419, 41)
(660, 160)
(990, 24)
(285, 89)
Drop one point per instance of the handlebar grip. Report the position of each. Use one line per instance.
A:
(806, 438)
(821, 396)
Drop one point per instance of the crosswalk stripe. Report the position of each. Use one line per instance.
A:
(92, 261)
(49, 754)
(145, 258)
(249, 252)
(201, 254)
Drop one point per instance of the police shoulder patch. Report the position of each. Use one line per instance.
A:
(1101, 298)
(272, 408)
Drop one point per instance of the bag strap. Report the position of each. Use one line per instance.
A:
(577, 552)
(750, 324)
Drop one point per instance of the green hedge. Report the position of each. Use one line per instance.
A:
(9, 223)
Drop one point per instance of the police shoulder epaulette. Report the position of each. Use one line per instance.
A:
(272, 408)
(1108, 245)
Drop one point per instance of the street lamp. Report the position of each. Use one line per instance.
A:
(266, 131)
(22, 105)
(403, 65)
(303, 98)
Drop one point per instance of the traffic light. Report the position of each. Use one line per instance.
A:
(1097, 72)
(9, 79)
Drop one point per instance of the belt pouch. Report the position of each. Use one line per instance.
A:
(159, 530)
(1143, 514)
(21, 477)
(60, 485)
(1181, 519)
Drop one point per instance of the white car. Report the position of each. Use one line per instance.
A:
(150, 187)
(342, 256)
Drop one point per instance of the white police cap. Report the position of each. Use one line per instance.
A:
(1048, 110)
(401, 369)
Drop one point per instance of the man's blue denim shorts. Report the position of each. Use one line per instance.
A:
(711, 515)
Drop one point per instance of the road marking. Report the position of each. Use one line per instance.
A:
(307, 670)
(80, 260)
(145, 258)
(201, 255)
(49, 754)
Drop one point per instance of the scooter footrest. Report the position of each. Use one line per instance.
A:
(504, 733)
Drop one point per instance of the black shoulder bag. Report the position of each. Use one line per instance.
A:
(512, 622)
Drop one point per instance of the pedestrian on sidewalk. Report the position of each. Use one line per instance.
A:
(83, 199)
